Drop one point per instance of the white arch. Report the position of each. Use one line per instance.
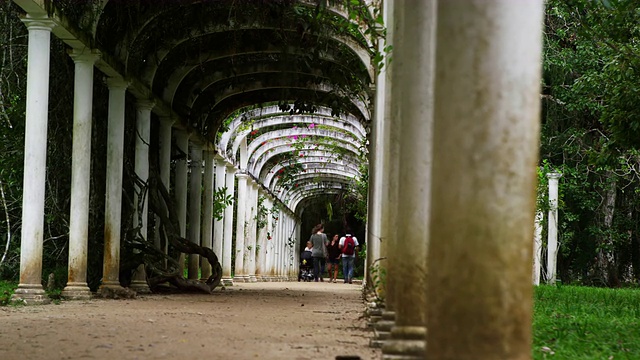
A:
(356, 129)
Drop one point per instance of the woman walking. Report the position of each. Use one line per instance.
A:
(333, 249)
(318, 251)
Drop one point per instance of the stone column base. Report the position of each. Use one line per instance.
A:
(253, 278)
(30, 294)
(227, 281)
(382, 329)
(141, 287)
(76, 291)
(238, 279)
(406, 343)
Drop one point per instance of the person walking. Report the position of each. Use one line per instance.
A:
(334, 254)
(318, 239)
(348, 245)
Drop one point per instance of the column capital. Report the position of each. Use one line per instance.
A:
(554, 175)
(84, 55)
(117, 83)
(42, 22)
(231, 168)
(195, 146)
(242, 175)
(145, 104)
(167, 120)
(183, 133)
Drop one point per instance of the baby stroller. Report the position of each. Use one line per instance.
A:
(306, 267)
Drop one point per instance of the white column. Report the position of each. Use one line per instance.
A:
(261, 258)
(250, 238)
(115, 155)
(181, 186)
(279, 253)
(77, 288)
(143, 137)
(195, 206)
(228, 227)
(552, 231)
(164, 159)
(412, 112)
(218, 230)
(486, 135)
(239, 275)
(287, 249)
(207, 211)
(35, 157)
(537, 248)
(267, 269)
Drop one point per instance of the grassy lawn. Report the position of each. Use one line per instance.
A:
(586, 323)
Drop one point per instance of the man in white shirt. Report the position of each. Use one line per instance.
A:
(349, 246)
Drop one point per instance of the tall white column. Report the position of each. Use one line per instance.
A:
(164, 159)
(181, 186)
(115, 155)
(239, 275)
(537, 248)
(486, 145)
(250, 238)
(261, 258)
(35, 157)
(218, 229)
(77, 288)
(413, 111)
(279, 253)
(552, 231)
(228, 227)
(207, 211)
(287, 249)
(195, 206)
(267, 272)
(143, 137)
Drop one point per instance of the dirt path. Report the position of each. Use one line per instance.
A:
(247, 321)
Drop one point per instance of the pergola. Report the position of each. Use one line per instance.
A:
(278, 102)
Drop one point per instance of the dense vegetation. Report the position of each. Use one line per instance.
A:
(590, 133)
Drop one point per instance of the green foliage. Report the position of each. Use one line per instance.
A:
(357, 199)
(262, 216)
(7, 289)
(220, 201)
(590, 132)
(586, 323)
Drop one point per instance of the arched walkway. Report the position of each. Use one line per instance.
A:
(449, 135)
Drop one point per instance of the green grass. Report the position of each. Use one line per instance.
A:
(572, 322)
(6, 290)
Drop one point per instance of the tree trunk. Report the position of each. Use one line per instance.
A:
(606, 269)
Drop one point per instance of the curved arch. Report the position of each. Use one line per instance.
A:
(213, 119)
(313, 166)
(214, 99)
(258, 161)
(301, 204)
(158, 55)
(153, 14)
(272, 115)
(291, 198)
(289, 134)
(320, 178)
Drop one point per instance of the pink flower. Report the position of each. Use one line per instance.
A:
(311, 126)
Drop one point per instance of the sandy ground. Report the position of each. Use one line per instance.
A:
(286, 320)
